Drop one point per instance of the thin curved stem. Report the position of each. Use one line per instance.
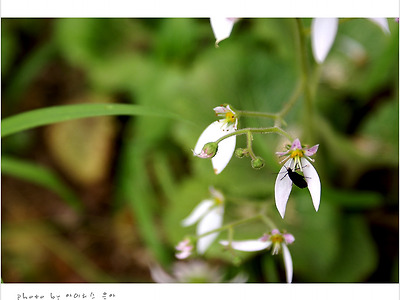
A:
(256, 114)
(250, 145)
(230, 225)
(277, 130)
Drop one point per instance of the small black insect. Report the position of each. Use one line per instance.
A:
(296, 178)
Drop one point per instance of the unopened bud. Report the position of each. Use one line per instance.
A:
(209, 150)
(257, 163)
(240, 152)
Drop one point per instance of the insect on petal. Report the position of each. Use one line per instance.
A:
(283, 187)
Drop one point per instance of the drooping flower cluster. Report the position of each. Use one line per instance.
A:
(208, 215)
(274, 239)
(297, 158)
(206, 146)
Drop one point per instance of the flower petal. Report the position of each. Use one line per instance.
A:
(323, 33)
(311, 151)
(296, 145)
(313, 182)
(210, 221)
(382, 23)
(212, 133)
(226, 147)
(283, 187)
(248, 245)
(197, 212)
(225, 151)
(287, 260)
(222, 28)
(289, 238)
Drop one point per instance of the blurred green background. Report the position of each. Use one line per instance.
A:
(101, 199)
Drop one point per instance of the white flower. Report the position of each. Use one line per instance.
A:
(209, 216)
(323, 34)
(222, 28)
(222, 153)
(297, 158)
(276, 239)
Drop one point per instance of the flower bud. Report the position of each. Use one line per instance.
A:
(240, 152)
(257, 163)
(209, 150)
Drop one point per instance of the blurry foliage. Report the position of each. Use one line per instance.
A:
(144, 180)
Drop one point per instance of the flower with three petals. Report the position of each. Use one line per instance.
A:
(222, 152)
(297, 158)
(276, 240)
(209, 216)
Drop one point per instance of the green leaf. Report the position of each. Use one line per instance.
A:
(41, 176)
(49, 115)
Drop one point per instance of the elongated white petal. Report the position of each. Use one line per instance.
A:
(283, 187)
(226, 147)
(248, 245)
(199, 211)
(287, 260)
(313, 182)
(222, 28)
(212, 220)
(323, 33)
(382, 23)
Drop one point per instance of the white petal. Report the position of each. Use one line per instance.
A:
(222, 28)
(323, 33)
(283, 187)
(287, 260)
(382, 23)
(212, 133)
(226, 147)
(197, 212)
(211, 221)
(313, 182)
(248, 245)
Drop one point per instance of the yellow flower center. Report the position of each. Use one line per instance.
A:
(297, 153)
(218, 200)
(277, 238)
(230, 117)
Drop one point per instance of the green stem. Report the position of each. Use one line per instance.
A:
(230, 226)
(249, 145)
(255, 114)
(305, 76)
(268, 222)
(277, 130)
(296, 94)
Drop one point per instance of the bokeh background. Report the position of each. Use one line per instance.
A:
(101, 199)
